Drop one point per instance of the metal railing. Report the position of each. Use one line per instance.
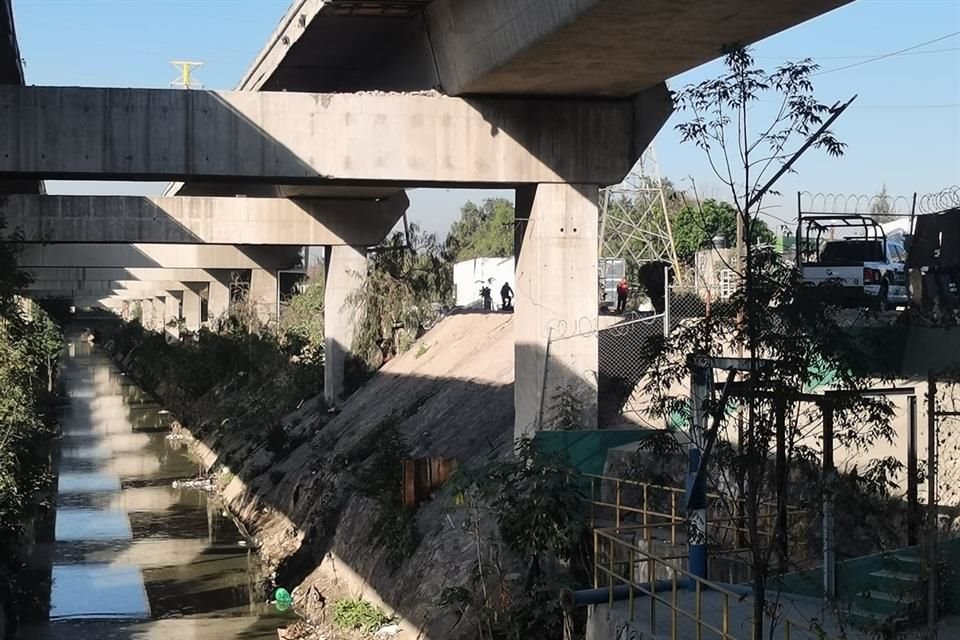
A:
(637, 504)
(613, 555)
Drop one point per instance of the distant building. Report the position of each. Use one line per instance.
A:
(470, 276)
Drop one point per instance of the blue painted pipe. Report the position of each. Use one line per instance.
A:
(570, 599)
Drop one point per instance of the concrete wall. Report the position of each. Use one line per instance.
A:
(155, 134)
(194, 220)
(469, 276)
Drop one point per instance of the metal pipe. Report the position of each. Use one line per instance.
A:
(571, 599)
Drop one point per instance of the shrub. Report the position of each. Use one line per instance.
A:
(356, 614)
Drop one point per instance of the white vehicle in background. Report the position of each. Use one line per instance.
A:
(854, 254)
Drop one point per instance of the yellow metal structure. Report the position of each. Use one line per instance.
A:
(631, 518)
(185, 80)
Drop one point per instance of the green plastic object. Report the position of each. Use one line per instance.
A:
(282, 599)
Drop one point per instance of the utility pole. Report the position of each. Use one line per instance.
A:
(185, 79)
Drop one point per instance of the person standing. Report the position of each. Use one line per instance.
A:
(487, 298)
(506, 296)
(623, 292)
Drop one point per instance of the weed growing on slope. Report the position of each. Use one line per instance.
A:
(356, 614)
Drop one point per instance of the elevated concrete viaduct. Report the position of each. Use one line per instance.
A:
(11, 73)
(568, 147)
(554, 98)
(497, 47)
(218, 265)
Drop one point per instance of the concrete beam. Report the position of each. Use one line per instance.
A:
(195, 220)
(113, 273)
(290, 138)
(106, 285)
(93, 294)
(152, 256)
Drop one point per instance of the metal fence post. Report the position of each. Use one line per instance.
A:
(932, 504)
(913, 506)
(829, 568)
(666, 302)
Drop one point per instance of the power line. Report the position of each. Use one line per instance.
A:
(888, 55)
(859, 57)
(953, 105)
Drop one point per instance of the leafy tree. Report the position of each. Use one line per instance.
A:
(29, 346)
(695, 228)
(881, 206)
(402, 294)
(301, 325)
(537, 502)
(482, 232)
(773, 317)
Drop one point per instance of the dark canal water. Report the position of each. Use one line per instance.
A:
(134, 557)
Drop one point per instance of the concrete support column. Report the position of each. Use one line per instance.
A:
(218, 300)
(263, 293)
(191, 309)
(171, 317)
(555, 317)
(346, 273)
(146, 313)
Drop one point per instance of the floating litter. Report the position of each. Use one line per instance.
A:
(282, 599)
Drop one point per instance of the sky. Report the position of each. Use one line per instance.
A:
(903, 131)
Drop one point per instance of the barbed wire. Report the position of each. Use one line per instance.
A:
(843, 203)
(940, 201)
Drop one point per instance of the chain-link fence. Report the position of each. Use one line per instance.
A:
(622, 365)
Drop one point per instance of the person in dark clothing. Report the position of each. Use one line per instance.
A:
(486, 297)
(654, 280)
(623, 292)
(506, 295)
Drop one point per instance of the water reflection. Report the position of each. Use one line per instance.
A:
(134, 557)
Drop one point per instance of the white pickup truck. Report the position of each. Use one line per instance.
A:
(867, 267)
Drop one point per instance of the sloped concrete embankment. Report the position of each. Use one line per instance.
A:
(320, 493)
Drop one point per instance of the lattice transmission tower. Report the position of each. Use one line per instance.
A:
(634, 219)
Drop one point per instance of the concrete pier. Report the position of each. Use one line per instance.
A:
(218, 299)
(346, 272)
(191, 309)
(557, 299)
